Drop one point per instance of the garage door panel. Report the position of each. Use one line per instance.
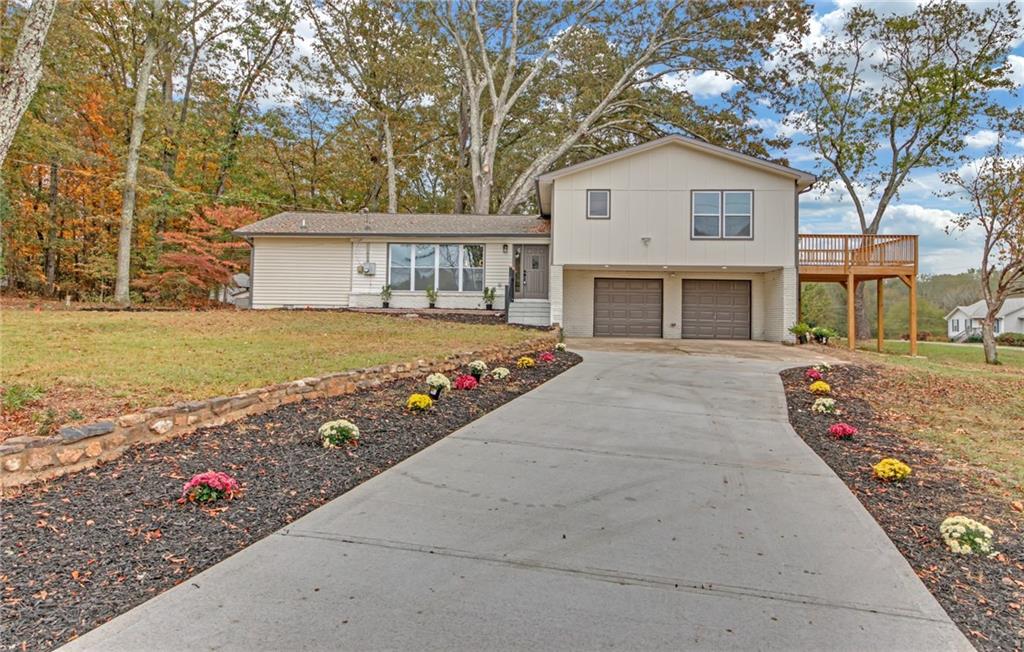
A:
(716, 309)
(627, 307)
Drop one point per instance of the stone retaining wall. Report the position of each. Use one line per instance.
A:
(73, 448)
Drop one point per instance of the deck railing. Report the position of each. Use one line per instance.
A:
(842, 252)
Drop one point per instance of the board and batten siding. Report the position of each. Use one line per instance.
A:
(650, 198)
(301, 272)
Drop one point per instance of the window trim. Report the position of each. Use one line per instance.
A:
(956, 325)
(721, 214)
(608, 193)
(437, 258)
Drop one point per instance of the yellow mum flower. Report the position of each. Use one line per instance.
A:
(891, 469)
(524, 362)
(819, 387)
(419, 403)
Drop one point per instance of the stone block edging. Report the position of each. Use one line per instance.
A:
(82, 446)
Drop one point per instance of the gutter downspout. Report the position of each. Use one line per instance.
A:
(796, 245)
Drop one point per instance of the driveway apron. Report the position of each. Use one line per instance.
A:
(638, 501)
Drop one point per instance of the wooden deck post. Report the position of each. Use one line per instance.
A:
(851, 313)
(913, 315)
(880, 289)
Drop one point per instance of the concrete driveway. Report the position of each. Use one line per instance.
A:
(638, 501)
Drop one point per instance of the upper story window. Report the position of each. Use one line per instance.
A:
(599, 204)
(722, 214)
(447, 267)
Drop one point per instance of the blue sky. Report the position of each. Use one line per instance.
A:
(919, 209)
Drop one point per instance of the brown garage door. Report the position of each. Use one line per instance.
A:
(716, 310)
(627, 307)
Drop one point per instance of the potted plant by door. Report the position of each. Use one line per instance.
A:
(385, 295)
(801, 331)
(431, 297)
(489, 294)
(822, 334)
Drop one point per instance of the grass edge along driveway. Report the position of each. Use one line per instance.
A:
(96, 363)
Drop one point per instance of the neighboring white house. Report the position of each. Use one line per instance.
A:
(672, 238)
(965, 321)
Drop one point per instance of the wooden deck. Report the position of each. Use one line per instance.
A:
(850, 259)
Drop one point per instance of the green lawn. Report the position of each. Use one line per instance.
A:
(946, 353)
(99, 361)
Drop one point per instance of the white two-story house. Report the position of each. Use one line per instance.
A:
(675, 238)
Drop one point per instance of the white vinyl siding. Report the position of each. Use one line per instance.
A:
(313, 272)
(366, 288)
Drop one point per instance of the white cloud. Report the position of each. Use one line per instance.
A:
(982, 139)
(709, 83)
(1016, 69)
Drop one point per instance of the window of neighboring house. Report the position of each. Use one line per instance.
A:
(998, 325)
(599, 204)
(446, 268)
(956, 325)
(722, 214)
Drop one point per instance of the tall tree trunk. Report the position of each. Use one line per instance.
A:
(988, 338)
(463, 157)
(124, 240)
(170, 148)
(860, 311)
(18, 83)
(50, 265)
(389, 155)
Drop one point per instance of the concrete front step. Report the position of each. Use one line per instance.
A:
(530, 313)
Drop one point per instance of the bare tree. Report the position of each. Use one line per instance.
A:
(995, 190)
(373, 49)
(504, 51)
(124, 242)
(18, 79)
(262, 40)
(887, 95)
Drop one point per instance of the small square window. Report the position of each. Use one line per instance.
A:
(598, 204)
(705, 226)
(737, 226)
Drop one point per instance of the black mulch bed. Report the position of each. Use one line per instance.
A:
(82, 549)
(983, 596)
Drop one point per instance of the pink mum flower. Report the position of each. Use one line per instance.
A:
(842, 431)
(547, 356)
(209, 486)
(813, 374)
(465, 381)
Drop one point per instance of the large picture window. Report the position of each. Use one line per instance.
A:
(446, 268)
(722, 214)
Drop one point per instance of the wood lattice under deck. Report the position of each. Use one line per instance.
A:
(852, 259)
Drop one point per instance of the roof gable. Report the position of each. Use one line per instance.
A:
(545, 181)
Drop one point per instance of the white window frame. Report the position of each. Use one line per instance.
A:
(956, 325)
(721, 215)
(436, 264)
(608, 203)
(694, 215)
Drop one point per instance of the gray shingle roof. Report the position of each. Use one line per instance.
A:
(408, 224)
(978, 309)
